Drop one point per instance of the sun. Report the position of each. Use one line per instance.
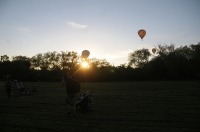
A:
(85, 64)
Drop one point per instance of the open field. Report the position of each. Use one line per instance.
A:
(119, 107)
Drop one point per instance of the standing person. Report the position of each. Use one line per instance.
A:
(8, 86)
(72, 88)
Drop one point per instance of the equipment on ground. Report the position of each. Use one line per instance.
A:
(84, 102)
(18, 89)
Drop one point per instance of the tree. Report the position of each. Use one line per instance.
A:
(22, 61)
(38, 62)
(163, 50)
(97, 63)
(51, 60)
(4, 58)
(54, 60)
(175, 63)
(68, 60)
(139, 58)
(195, 59)
(20, 58)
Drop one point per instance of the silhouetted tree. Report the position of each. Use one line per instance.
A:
(139, 58)
(195, 59)
(39, 62)
(174, 63)
(163, 50)
(20, 58)
(97, 63)
(4, 58)
(54, 60)
(68, 60)
(168, 63)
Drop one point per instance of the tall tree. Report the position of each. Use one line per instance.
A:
(54, 60)
(39, 63)
(195, 59)
(20, 58)
(139, 58)
(163, 50)
(68, 60)
(97, 63)
(4, 58)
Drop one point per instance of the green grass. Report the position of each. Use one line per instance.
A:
(119, 107)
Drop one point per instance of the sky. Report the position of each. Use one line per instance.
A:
(107, 28)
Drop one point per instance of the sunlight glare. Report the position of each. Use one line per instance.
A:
(85, 64)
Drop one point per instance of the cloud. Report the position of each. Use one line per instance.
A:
(76, 25)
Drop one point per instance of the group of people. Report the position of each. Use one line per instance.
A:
(14, 85)
(74, 100)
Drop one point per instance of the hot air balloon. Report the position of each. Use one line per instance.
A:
(154, 50)
(85, 54)
(141, 33)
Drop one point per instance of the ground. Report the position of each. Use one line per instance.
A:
(142, 106)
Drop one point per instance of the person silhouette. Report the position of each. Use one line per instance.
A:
(71, 91)
(8, 86)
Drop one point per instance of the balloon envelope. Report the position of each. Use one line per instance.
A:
(141, 33)
(85, 54)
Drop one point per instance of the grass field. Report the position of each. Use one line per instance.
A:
(150, 106)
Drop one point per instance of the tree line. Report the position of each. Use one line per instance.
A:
(165, 63)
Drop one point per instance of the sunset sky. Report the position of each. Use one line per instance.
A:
(107, 28)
